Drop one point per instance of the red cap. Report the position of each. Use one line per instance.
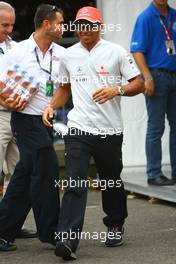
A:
(90, 14)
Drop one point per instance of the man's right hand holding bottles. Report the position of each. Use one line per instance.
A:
(13, 104)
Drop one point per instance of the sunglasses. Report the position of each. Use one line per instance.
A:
(53, 9)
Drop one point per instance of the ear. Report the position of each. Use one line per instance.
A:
(46, 24)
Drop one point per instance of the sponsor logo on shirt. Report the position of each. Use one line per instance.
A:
(79, 70)
(55, 58)
(80, 75)
(134, 43)
(102, 71)
(129, 59)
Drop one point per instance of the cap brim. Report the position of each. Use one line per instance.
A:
(87, 19)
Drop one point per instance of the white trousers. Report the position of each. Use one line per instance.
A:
(9, 154)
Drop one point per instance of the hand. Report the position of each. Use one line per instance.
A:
(15, 104)
(149, 88)
(104, 94)
(48, 115)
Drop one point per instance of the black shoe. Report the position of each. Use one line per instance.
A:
(64, 250)
(26, 233)
(160, 181)
(114, 236)
(7, 246)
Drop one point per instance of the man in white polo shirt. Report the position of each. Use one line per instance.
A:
(32, 183)
(92, 71)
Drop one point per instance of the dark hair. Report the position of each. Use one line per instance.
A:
(43, 12)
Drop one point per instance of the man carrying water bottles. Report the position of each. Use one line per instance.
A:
(32, 184)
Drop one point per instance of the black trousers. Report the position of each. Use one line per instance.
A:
(33, 182)
(108, 158)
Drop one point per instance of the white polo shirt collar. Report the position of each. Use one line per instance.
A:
(33, 44)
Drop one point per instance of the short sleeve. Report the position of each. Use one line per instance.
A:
(128, 67)
(140, 37)
(64, 76)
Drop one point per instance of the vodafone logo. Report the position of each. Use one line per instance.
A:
(102, 71)
(84, 10)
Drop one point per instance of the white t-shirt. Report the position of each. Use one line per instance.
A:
(103, 66)
(23, 54)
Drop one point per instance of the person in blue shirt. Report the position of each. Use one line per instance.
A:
(153, 46)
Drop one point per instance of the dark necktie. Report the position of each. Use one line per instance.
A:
(1, 51)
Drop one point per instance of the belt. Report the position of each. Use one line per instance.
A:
(164, 70)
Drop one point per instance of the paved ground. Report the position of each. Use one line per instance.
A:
(150, 238)
(137, 182)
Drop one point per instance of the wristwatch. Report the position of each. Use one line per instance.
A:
(149, 78)
(121, 90)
